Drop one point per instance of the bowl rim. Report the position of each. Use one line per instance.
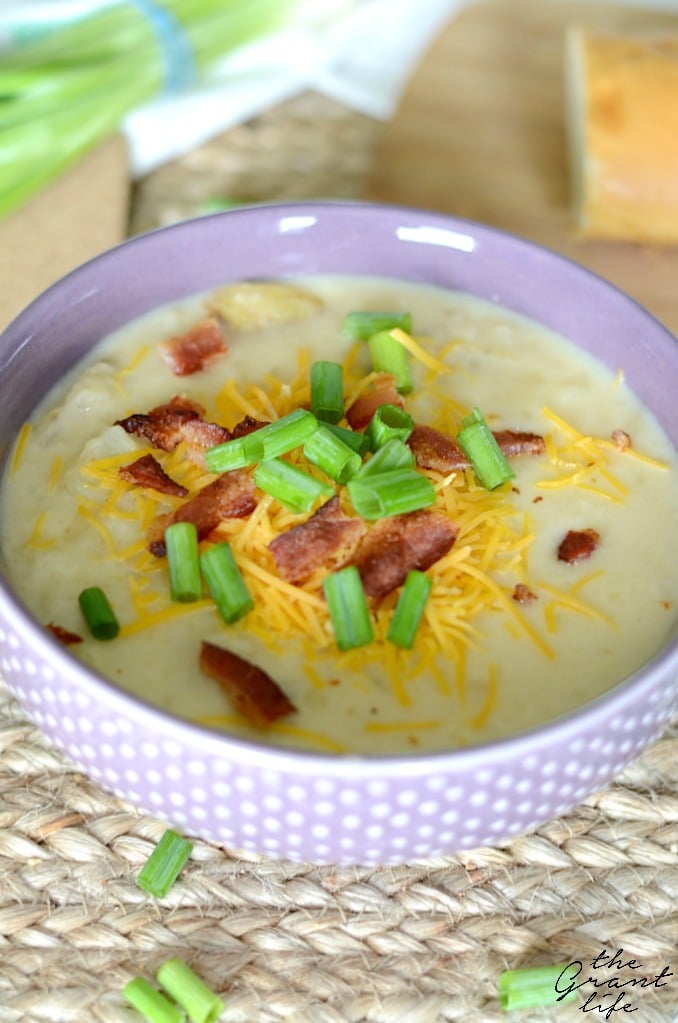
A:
(266, 755)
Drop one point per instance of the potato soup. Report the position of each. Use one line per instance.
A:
(513, 633)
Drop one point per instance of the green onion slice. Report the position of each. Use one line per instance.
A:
(331, 454)
(394, 492)
(164, 865)
(183, 561)
(327, 390)
(537, 986)
(480, 447)
(201, 1004)
(151, 1003)
(270, 441)
(98, 613)
(388, 421)
(293, 487)
(394, 454)
(390, 356)
(354, 438)
(409, 609)
(225, 583)
(362, 325)
(348, 608)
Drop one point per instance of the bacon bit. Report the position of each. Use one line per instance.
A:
(383, 392)
(180, 419)
(325, 540)
(519, 442)
(195, 350)
(577, 545)
(523, 595)
(621, 440)
(395, 545)
(435, 450)
(247, 425)
(63, 635)
(251, 691)
(229, 496)
(147, 472)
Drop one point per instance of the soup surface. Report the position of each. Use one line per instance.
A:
(512, 634)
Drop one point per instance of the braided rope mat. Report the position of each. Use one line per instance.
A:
(421, 943)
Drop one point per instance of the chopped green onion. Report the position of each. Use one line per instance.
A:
(537, 986)
(151, 1003)
(391, 493)
(183, 561)
(269, 441)
(202, 1005)
(362, 325)
(98, 613)
(225, 582)
(164, 865)
(388, 421)
(293, 487)
(331, 454)
(348, 608)
(354, 438)
(409, 609)
(394, 454)
(327, 391)
(480, 447)
(390, 356)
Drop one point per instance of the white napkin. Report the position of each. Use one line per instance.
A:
(360, 52)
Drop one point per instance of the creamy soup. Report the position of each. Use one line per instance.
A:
(511, 634)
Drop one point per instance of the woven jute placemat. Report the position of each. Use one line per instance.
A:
(420, 943)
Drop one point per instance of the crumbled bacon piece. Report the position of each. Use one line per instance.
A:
(196, 349)
(64, 635)
(519, 442)
(251, 691)
(147, 472)
(180, 419)
(435, 450)
(247, 425)
(621, 440)
(522, 594)
(383, 392)
(229, 496)
(325, 540)
(577, 545)
(395, 545)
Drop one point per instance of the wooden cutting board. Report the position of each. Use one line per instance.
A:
(480, 132)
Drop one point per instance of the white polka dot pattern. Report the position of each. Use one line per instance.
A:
(327, 809)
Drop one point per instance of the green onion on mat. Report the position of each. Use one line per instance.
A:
(348, 608)
(409, 609)
(536, 986)
(480, 447)
(201, 1004)
(183, 562)
(225, 583)
(98, 613)
(152, 1003)
(164, 865)
(66, 88)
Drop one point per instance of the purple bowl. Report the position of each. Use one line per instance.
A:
(299, 805)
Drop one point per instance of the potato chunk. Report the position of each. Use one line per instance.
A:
(253, 305)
